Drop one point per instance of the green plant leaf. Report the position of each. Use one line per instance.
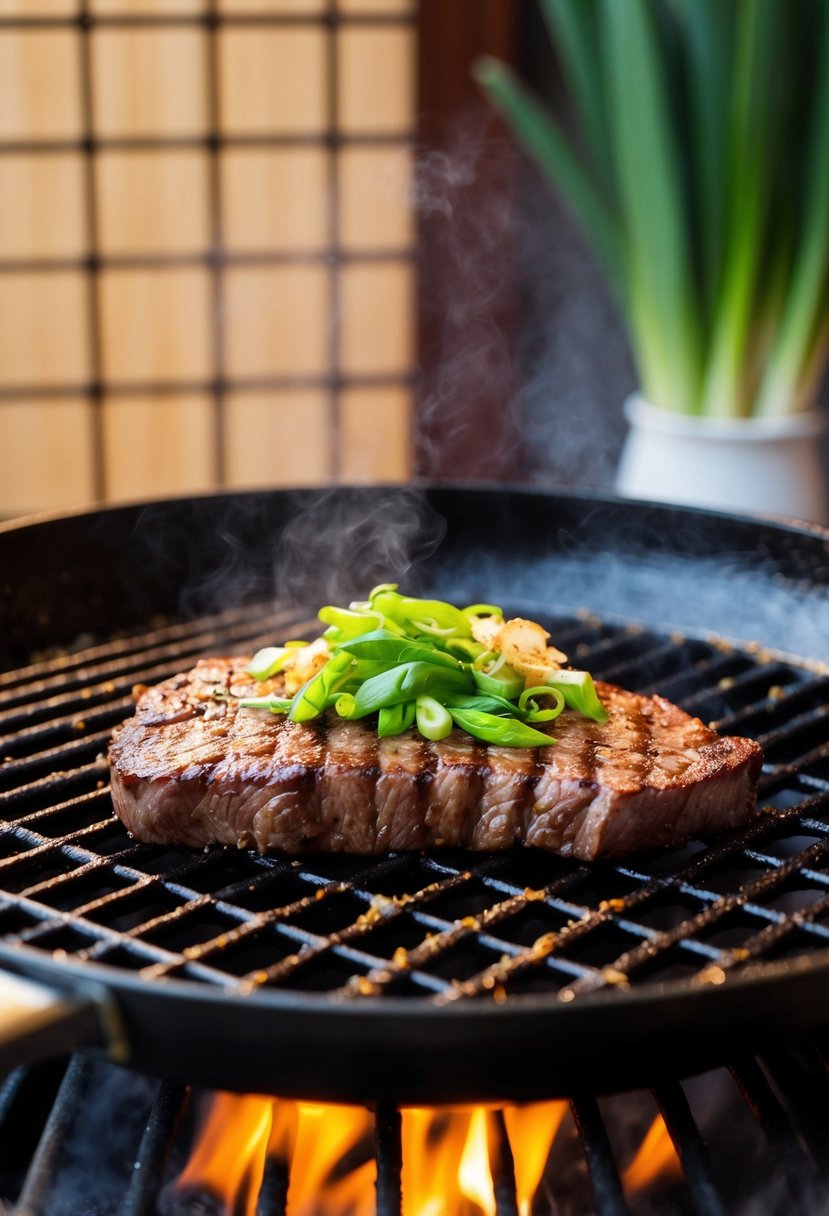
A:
(753, 137)
(543, 140)
(662, 308)
(700, 174)
(705, 30)
(789, 367)
(574, 30)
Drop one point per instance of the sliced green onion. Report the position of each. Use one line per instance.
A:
(433, 630)
(501, 680)
(391, 655)
(395, 719)
(528, 705)
(277, 705)
(429, 614)
(485, 702)
(474, 610)
(504, 732)
(344, 705)
(345, 623)
(433, 720)
(406, 682)
(364, 669)
(579, 693)
(468, 647)
(488, 659)
(268, 662)
(314, 696)
(384, 647)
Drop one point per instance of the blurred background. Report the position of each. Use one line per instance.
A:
(250, 243)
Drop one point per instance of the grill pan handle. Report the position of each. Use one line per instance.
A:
(37, 1022)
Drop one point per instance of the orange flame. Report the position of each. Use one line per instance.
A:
(329, 1153)
(325, 1136)
(432, 1142)
(474, 1176)
(229, 1157)
(656, 1158)
(532, 1130)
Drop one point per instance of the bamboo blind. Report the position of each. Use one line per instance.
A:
(206, 245)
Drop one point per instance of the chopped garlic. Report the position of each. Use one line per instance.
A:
(485, 629)
(523, 645)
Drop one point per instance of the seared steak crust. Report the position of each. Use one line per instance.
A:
(192, 769)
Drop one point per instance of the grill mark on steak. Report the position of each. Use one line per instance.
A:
(455, 791)
(406, 791)
(191, 769)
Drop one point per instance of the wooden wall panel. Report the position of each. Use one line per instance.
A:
(376, 81)
(166, 8)
(44, 337)
(276, 321)
(149, 82)
(38, 8)
(376, 198)
(45, 455)
(152, 202)
(273, 80)
(299, 8)
(376, 318)
(42, 213)
(392, 7)
(278, 438)
(158, 445)
(376, 434)
(187, 276)
(155, 325)
(40, 84)
(275, 199)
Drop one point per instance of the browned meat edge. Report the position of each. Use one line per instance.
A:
(193, 770)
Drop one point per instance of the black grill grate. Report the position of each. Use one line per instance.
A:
(444, 926)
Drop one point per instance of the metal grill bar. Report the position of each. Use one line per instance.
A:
(141, 1198)
(273, 1194)
(389, 1153)
(800, 1076)
(79, 665)
(691, 1150)
(794, 1163)
(502, 1166)
(439, 927)
(36, 1194)
(604, 1176)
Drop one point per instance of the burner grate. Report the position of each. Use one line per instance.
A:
(443, 927)
(746, 1140)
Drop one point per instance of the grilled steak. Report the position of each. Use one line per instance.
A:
(193, 770)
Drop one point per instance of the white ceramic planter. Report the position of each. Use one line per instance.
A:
(768, 466)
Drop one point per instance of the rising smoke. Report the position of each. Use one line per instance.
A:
(521, 330)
